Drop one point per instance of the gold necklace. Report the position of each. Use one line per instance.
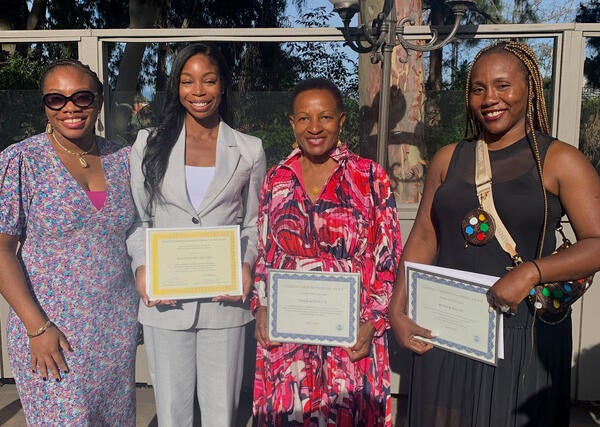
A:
(81, 155)
(316, 189)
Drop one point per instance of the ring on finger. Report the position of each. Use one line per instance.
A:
(504, 308)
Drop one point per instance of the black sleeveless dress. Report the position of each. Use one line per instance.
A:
(531, 385)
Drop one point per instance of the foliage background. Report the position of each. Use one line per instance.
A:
(264, 73)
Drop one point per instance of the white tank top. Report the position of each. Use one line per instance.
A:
(197, 179)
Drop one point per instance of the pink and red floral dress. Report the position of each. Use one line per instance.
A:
(352, 227)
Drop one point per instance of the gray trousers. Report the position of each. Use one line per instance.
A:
(208, 360)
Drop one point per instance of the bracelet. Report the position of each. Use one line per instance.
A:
(537, 267)
(41, 330)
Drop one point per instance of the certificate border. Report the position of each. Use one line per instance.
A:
(352, 279)
(235, 287)
(491, 355)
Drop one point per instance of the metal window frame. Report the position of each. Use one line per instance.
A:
(568, 56)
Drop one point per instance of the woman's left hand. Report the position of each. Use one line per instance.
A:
(246, 284)
(362, 348)
(512, 288)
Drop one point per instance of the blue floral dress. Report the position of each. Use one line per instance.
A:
(76, 264)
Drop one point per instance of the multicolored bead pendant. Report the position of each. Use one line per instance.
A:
(478, 227)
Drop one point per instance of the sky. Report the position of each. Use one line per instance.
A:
(549, 11)
(293, 13)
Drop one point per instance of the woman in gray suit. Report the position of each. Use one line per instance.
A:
(194, 170)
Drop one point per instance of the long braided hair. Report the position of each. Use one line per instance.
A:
(536, 114)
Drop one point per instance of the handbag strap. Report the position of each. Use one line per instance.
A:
(483, 181)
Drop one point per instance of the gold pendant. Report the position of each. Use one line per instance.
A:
(84, 164)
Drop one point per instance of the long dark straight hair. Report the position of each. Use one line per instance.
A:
(162, 138)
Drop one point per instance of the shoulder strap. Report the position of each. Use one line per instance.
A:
(483, 180)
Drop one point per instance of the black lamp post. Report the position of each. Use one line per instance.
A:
(379, 37)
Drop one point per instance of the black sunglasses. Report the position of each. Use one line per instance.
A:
(56, 101)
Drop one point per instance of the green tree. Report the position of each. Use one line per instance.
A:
(131, 64)
(19, 76)
(134, 68)
(16, 15)
(589, 129)
(441, 121)
(486, 11)
(266, 115)
(330, 61)
(254, 66)
(590, 12)
(523, 12)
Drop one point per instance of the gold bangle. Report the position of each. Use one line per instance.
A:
(41, 330)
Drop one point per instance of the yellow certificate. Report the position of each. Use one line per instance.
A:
(190, 263)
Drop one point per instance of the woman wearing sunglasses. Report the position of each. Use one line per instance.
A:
(65, 208)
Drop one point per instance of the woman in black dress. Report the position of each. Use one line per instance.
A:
(531, 385)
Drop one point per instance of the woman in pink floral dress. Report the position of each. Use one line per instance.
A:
(325, 208)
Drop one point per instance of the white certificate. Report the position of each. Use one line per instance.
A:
(313, 307)
(453, 304)
(189, 263)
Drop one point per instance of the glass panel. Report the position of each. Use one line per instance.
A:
(263, 75)
(589, 127)
(21, 115)
(443, 112)
(21, 66)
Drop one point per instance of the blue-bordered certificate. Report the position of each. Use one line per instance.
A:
(186, 263)
(313, 307)
(453, 305)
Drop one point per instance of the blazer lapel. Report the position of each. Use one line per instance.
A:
(228, 157)
(174, 180)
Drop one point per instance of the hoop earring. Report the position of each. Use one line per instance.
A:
(49, 128)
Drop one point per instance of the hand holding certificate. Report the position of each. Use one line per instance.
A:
(453, 305)
(190, 263)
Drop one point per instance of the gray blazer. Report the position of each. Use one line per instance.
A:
(231, 198)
